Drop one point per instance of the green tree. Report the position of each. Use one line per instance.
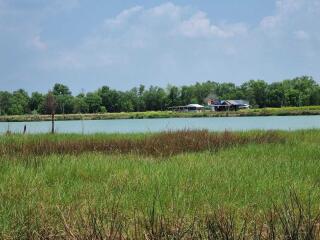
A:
(173, 96)
(105, 94)
(226, 91)
(5, 101)
(36, 101)
(303, 88)
(141, 105)
(275, 95)
(94, 102)
(60, 89)
(19, 103)
(256, 92)
(80, 104)
(187, 95)
(63, 98)
(203, 90)
(155, 99)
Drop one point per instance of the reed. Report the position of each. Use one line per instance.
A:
(162, 144)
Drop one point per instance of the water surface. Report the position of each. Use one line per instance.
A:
(156, 125)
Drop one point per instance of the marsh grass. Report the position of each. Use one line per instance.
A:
(291, 220)
(243, 191)
(159, 145)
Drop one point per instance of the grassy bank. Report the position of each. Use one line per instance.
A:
(72, 190)
(285, 111)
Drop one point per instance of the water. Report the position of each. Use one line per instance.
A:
(156, 125)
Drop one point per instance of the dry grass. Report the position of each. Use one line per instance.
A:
(162, 144)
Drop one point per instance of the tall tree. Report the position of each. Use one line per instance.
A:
(63, 98)
(5, 102)
(256, 92)
(35, 101)
(60, 89)
(80, 104)
(94, 102)
(173, 96)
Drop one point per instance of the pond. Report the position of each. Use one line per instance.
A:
(164, 124)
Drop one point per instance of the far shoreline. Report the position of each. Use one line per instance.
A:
(285, 111)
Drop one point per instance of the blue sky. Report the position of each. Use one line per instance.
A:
(120, 43)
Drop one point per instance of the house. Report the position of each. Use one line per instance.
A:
(228, 105)
(239, 104)
(212, 101)
(194, 107)
(187, 108)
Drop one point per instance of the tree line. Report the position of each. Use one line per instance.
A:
(300, 91)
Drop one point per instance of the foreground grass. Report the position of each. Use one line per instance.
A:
(70, 194)
(284, 111)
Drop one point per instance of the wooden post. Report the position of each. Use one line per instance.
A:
(52, 123)
(51, 108)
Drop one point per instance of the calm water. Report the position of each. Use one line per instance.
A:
(156, 125)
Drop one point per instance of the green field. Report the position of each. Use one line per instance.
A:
(75, 193)
(284, 111)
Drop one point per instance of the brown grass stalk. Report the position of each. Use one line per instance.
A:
(161, 144)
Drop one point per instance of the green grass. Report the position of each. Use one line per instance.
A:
(284, 111)
(251, 176)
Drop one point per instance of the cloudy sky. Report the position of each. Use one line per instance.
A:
(123, 43)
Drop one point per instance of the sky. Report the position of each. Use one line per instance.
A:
(86, 44)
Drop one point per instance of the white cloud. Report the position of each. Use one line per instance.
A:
(284, 9)
(173, 42)
(199, 25)
(175, 19)
(136, 31)
(293, 19)
(166, 9)
(144, 34)
(123, 17)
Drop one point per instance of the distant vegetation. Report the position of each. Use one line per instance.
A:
(301, 91)
(284, 111)
(174, 185)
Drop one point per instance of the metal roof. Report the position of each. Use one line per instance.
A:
(238, 102)
(195, 105)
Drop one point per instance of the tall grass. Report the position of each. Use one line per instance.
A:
(241, 191)
(162, 144)
(292, 220)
